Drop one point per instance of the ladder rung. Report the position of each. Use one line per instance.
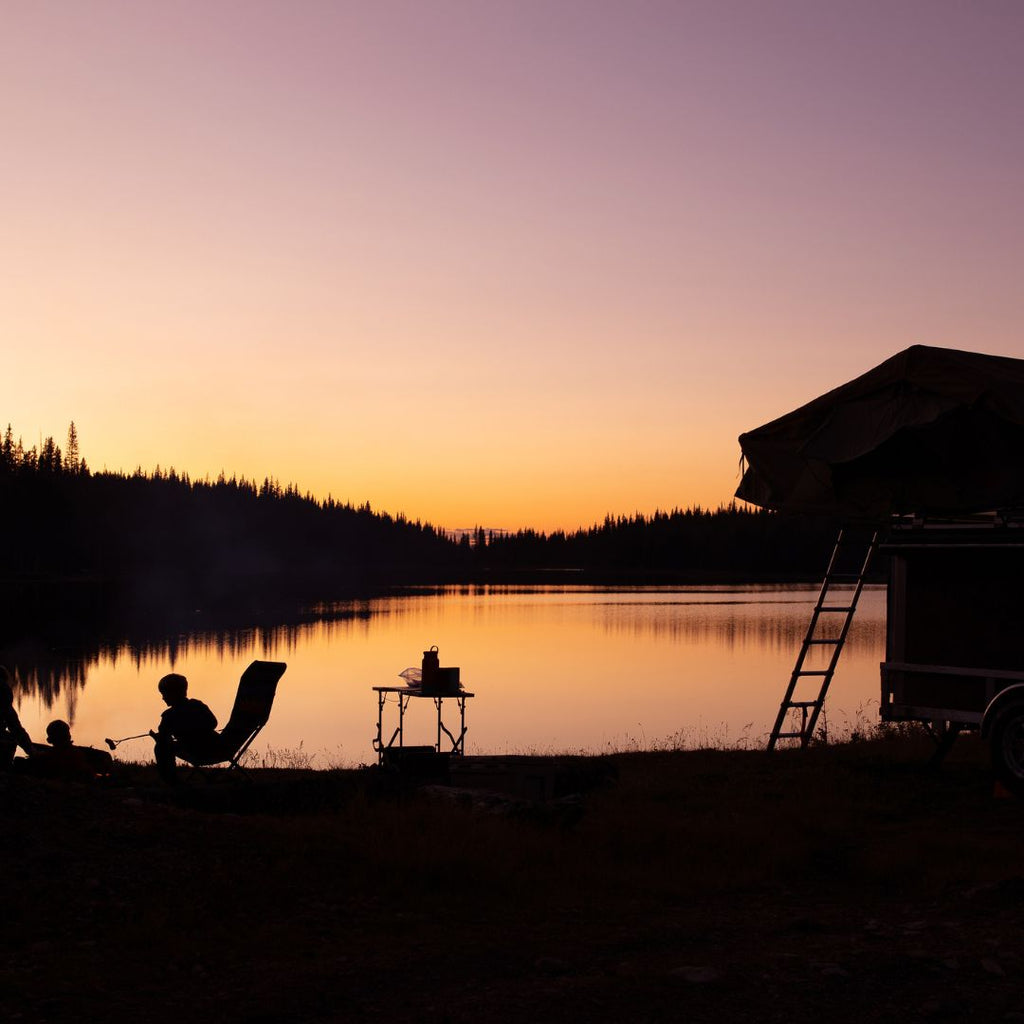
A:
(843, 577)
(836, 608)
(824, 640)
(789, 735)
(802, 703)
(846, 540)
(815, 672)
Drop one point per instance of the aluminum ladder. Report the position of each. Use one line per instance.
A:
(830, 603)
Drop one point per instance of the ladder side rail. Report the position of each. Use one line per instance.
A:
(835, 556)
(784, 707)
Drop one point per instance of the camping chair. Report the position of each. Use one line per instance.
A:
(251, 710)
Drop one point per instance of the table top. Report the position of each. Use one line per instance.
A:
(415, 691)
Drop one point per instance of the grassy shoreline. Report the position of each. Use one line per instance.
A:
(844, 881)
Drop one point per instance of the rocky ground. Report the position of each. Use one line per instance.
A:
(840, 883)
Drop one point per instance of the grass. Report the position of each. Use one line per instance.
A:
(296, 758)
(710, 884)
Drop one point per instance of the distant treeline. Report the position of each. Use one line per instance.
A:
(159, 538)
(730, 543)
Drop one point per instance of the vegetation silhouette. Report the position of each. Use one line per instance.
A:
(728, 544)
(156, 545)
(162, 540)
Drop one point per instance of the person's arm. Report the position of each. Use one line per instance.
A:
(212, 718)
(165, 730)
(17, 731)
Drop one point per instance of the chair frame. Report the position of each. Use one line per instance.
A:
(258, 685)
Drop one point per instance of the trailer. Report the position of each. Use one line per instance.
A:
(954, 657)
(925, 452)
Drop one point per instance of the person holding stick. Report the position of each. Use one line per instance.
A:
(187, 726)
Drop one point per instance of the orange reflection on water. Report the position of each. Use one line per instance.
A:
(553, 669)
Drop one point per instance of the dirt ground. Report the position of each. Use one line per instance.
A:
(840, 883)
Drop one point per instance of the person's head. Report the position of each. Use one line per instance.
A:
(58, 734)
(173, 688)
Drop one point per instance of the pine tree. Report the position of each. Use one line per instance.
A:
(72, 460)
(50, 460)
(7, 459)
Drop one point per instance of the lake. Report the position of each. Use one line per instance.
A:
(554, 669)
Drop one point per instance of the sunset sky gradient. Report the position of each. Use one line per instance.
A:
(492, 263)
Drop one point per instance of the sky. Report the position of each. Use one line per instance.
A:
(492, 263)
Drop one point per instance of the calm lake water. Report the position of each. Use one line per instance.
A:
(554, 669)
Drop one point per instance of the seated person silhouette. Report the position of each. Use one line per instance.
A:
(187, 727)
(63, 760)
(12, 732)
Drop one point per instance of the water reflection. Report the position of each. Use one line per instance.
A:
(554, 668)
(731, 624)
(53, 666)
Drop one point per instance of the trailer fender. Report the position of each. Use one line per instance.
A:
(1011, 695)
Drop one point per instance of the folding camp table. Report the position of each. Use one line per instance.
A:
(405, 694)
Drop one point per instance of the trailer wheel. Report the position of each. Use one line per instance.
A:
(1007, 745)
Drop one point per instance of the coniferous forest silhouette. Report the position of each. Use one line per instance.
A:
(159, 543)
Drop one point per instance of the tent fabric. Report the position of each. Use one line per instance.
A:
(930, 431)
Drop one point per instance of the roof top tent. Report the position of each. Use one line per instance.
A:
(926, 450)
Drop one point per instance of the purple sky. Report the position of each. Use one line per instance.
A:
(499, 263)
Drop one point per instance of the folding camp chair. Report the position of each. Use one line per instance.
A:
(251, 710)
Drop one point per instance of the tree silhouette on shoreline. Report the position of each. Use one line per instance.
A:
(160, 539)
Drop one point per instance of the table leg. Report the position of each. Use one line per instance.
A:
(457, 742)
(462, 725)
(379, 741)
(403, 703)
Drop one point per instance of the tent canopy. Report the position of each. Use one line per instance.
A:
(930, 431)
